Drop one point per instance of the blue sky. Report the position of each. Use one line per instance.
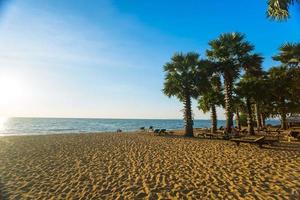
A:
(104, 58)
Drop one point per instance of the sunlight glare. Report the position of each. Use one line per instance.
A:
(12, 90)
(3, 120)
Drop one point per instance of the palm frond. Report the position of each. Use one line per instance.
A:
(279, 9)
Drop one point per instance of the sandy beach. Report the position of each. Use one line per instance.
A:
(140, 166)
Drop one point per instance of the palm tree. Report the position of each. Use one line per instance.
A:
(181, 79)
(212, 98)
(280, 82)
(258, 98)
(262, 98)
(246, 89)
(250, 88)
(238, 106)
(294, 86)
(231, 53)
(289, 54)
(255, 77)
(279, 9)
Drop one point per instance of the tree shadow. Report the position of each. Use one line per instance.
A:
(3, 193)
(284, 147)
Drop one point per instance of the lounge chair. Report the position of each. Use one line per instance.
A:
(295, 134)
(292, 134)
(159, 131)
(243, 131)
(162, 131)
(259, 140)
(156, 131)
(249, 139)
(216, 135)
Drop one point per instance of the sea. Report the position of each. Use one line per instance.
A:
(44, 126)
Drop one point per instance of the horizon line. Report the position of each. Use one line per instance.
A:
(56, 117)
(51, 117)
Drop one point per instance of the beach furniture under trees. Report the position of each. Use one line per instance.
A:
(159, 131)
(150, 129)
(206, 133)
(250, 139)
(162, 131)
(258, 140)
(156, 130)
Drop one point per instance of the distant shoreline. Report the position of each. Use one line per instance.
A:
(104, 118)
(46, 126)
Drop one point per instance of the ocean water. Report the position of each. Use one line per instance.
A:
(40, 126)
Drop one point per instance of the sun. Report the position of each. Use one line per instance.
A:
(12, 90)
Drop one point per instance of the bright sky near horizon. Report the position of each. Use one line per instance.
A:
(104, 58)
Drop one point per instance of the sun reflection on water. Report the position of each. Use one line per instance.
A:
(3, 120)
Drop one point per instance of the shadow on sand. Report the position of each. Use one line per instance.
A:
(284, 147)
(3, 194)
(295, 146)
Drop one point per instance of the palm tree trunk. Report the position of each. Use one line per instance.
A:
(258, 119)
(283, 115)
(249, 117)
(237, 119)
(188, 116)
(283, 121)
(263, 119)
(228, 103)
(213, 119)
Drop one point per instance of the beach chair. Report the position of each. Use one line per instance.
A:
(159, 131)
(290, 135)
(243, 131)
(162, 131)
(295, 134)
(200, 132)
(249, 139)
(271, 140)
(217, 135)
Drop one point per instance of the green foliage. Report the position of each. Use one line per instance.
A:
(181, 77)
(279, 9)
(243, 119)
(273, 93)
(294, 88)
(213, 94)
(284, 90)
(185, 78)
(289, 54)
(252, 84)
(232, 53)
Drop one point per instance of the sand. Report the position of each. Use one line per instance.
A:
(139, 166)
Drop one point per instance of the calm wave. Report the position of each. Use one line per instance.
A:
(32, 126)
